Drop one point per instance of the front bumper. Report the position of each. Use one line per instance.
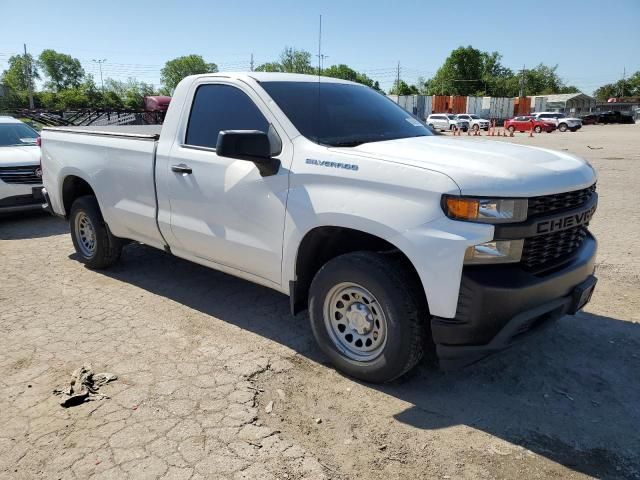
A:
(498, 305)
(23, 202)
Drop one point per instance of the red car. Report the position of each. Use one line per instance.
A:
(526, 123)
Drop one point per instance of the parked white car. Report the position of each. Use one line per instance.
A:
(563, 123)
(20, 173)
(396, 240)
(446, 121)
(475, 122)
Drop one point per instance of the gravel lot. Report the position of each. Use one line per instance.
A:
(217, 380)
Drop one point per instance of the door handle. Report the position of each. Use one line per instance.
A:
(181, 168)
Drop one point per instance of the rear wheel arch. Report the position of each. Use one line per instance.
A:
(74, 187)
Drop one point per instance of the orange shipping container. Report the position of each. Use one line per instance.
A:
(522, 106)
(440, 104)
(458, 104)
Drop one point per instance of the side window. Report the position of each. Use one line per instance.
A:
(221, 107)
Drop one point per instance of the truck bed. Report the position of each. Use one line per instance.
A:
(143, 132)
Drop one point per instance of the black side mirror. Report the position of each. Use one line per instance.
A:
(250, 145)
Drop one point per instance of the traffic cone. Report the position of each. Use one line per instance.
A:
(531, 132)
(468, 132)
(510, 133)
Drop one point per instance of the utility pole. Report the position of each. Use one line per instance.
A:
(398, 83)
(251, 63)
(521, 94)
(27, 67)
(624, 74)
(100, 62)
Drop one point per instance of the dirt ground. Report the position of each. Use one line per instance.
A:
(217, 380)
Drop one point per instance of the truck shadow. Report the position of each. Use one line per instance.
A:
(572, 396)
(20, 226)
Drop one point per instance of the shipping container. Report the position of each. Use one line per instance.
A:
(440, 104)
(497, 108)
(522, 106)
(538, 104)
(474, 105)
(418, 105)
(458, 104)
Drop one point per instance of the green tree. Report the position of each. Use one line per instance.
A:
(347, 73)
(269, 67)
(629, 87)
(62, 71)
(296, 61)
(291, 61)
(127, 94)
(178, 68)
(463, 72)
(403, 88)
(15, 76)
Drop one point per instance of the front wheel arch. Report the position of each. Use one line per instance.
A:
(323, 243)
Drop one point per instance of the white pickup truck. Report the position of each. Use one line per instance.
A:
(396, 240)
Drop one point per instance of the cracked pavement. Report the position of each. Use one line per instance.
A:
(184, 405)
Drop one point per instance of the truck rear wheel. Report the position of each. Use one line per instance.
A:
(367, 317)
(95, 245)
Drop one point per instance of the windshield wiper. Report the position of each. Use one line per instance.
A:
(349, 143)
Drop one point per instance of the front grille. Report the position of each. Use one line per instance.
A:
(559, 201)
(21, 175)
(551, 249)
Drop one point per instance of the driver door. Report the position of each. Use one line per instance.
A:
(221, 209)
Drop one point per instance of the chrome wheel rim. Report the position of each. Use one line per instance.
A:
(85, 234)
(355, 322)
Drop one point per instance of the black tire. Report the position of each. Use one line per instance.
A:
(476, 127)
(573, 129)
(106, 247)
(511, 129)
(562, 127)
(397, 294)
(537, 129)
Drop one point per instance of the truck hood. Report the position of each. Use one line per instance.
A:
(488, 167)
(21, 155)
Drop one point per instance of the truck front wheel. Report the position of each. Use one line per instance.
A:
(366, 316)
(95, 245)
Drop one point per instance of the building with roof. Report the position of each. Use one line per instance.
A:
(568, 103)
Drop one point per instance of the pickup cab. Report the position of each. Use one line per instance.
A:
(397, 241)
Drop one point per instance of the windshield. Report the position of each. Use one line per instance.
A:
(17, 134)
(475, 117)
(343, 115)
(451, 117)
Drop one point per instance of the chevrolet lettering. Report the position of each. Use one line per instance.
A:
(566, 222)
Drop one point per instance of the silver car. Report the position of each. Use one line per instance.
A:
(446, 121)
(475, 121)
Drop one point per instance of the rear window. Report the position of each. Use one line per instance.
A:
(221, 107)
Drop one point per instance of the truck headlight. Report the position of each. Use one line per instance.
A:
(485, 210)
(496, 251)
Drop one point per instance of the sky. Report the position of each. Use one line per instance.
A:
(591, 41)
